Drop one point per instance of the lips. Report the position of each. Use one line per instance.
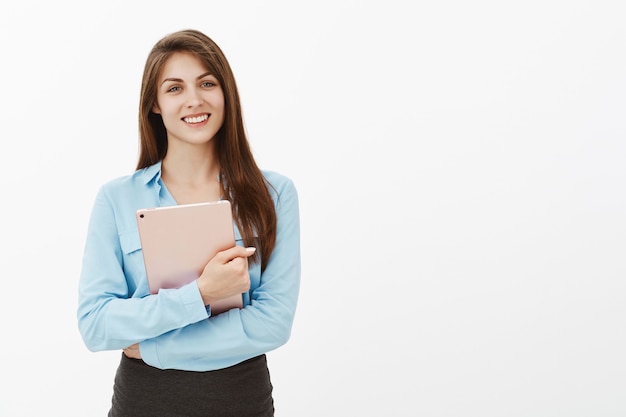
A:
(196, 119)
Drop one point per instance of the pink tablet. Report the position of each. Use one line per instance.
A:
(178, 241)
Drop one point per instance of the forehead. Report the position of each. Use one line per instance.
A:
(182, 65)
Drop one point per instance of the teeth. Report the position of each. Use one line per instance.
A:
(196, 119)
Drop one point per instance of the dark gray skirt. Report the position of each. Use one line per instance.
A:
(241, 390)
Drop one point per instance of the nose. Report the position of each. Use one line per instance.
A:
(193, 97)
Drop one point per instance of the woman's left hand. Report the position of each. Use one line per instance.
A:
(133, 352)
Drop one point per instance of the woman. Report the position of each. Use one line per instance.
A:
(178, 359)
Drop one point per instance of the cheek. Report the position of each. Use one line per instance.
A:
(218, 100)
(167, 104)
(218, 108)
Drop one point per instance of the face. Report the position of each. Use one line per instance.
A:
(189, 100)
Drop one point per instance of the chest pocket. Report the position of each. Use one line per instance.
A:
(133, 264)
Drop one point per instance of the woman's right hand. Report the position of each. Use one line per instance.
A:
(225, 275)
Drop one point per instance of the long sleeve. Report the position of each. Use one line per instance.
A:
(174, 328)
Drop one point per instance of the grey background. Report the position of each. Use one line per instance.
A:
(461, 175)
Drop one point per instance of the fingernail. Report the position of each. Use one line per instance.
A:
(250, 249)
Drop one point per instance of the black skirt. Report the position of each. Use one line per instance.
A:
(241, 390)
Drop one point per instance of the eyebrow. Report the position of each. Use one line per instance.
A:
(179, 80)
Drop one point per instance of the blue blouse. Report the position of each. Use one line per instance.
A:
(174, 329)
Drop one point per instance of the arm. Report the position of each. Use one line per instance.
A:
(261, 326)
(115, 309)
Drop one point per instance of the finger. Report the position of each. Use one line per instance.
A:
(238, 265)
(235, 252)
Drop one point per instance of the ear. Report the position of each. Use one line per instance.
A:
(155, 109)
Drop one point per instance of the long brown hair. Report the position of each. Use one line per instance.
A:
(243, 183)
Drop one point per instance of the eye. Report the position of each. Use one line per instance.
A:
(173, 89)
(208, 84)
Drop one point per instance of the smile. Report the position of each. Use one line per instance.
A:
(196, 119)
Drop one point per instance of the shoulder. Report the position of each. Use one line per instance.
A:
(121, 184)
(282, 188)
(122, 196)
(130, 183)
(277, 180)
(130, 192)
(279, 184)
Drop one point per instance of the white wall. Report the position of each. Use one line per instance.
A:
(462, 181)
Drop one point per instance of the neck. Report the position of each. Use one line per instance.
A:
(190, 166)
